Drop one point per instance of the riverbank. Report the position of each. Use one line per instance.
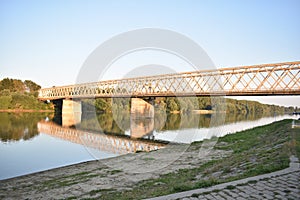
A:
(172, 169)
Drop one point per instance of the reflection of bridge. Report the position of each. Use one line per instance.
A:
(102, 142)
(267, 79)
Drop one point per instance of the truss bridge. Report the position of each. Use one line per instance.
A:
(265, 79)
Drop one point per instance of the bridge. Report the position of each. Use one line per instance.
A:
(266, 79)
(100, 141)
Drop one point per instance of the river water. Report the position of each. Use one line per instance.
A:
(32, 142)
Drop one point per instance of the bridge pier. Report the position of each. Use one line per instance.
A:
(71, 112)
(141, 108)
(141, 117)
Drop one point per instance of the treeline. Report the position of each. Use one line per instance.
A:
(16, 94)
(189, 104)
(106, 105)
(218, 104)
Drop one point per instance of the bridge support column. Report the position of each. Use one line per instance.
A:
(141, 108)
(71, 112)
(141, 117)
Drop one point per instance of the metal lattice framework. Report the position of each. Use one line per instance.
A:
(102, 142)
(266, 79)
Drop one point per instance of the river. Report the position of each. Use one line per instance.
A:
(32, 142)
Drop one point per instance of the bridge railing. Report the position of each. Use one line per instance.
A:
(272, 79)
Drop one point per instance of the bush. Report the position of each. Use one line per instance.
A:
(5, 102)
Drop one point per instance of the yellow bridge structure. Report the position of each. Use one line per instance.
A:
(265, 79)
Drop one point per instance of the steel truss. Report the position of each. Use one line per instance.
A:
(266, 79)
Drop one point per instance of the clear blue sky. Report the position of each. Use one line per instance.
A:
(48, 41)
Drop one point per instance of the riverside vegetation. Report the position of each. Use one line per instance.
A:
(18, 95)
(189, 104)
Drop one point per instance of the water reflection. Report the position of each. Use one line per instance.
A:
(102, 142)
(121, 122)
(23, 126)
(27, 139)
(24, 148)
(141, 127)
(183, 128)
(20, 126)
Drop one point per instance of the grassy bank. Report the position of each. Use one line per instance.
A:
(257, 151)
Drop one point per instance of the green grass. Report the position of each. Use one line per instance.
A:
(67, 180)
(195, 195)
(252, 181)
(294, 143)
(94, 192)
(256, 151)
(230, 187)
(148, 159)
(115, 171)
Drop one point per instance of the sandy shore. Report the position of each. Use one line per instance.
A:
(119, 173)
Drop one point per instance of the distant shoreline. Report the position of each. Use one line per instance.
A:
(198, 111)
(24, 110)
(207, 111)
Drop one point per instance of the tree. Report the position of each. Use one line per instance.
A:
(172, 104)
(5, 102)
(7, 84)
(18, 86)
(33, 87)
(5, 92)
(103, 104)
(13, 96)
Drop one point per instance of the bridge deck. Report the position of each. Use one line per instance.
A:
(266, 79)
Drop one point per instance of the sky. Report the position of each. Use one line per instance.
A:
(48, 41)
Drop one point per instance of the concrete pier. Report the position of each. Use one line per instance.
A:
(71, 112)
(141, 118)
(141, 109)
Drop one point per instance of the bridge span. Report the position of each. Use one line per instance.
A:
(266, 79)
